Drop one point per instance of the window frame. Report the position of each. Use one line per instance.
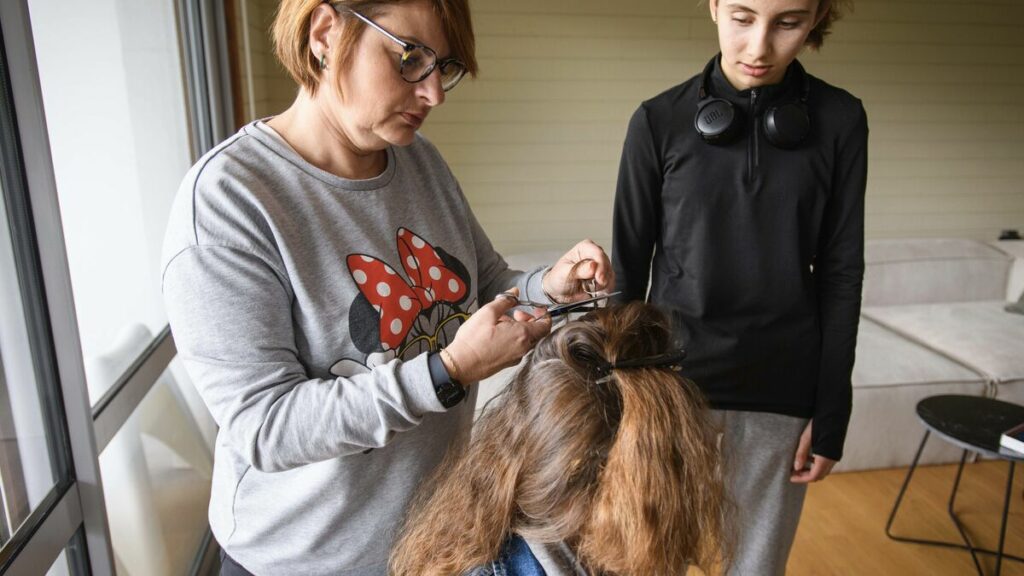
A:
(72, 517)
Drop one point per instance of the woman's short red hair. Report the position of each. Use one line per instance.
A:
(290, 33)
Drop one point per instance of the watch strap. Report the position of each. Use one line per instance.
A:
(449, 392)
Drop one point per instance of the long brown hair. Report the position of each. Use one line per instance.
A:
(624, 467)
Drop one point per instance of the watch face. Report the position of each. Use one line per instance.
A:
(450, 393)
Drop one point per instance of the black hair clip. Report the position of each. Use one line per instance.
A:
(671, 360)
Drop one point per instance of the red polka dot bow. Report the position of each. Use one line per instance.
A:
(397, 301)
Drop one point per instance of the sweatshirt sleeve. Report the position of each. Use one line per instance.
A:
(230, 313)
(637, 212)
(839, 272)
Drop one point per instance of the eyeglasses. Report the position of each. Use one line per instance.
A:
(417, 61)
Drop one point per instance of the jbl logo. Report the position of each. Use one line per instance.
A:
(713, 116)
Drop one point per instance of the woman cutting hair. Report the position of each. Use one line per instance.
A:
(332, 294)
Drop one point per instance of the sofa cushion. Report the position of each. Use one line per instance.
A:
(885, 359)
(923, 271)
(891, 375)
(980, 335)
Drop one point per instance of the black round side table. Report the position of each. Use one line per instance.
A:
(974, 424)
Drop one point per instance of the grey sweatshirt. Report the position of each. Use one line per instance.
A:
(302, 305)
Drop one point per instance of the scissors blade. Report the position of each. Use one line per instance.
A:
(559, 309)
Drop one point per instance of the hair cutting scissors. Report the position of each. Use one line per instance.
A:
(555, 310)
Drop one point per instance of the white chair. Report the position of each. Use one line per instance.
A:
(157, 468)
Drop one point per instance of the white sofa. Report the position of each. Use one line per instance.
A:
(932, 322)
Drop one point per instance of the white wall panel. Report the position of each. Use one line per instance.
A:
(535, 140)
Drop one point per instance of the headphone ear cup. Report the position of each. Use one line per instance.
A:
(717, 121)
(787, 125)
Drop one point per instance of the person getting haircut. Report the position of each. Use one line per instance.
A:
(598, 456)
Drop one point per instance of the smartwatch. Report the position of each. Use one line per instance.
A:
(449, 392)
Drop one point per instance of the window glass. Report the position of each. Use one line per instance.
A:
(114, 97)
(26, 466)
(156, 473)
(60, 566)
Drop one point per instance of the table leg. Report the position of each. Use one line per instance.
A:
(999, 554)
(903, 489)
(1006, 511)
(956, 521)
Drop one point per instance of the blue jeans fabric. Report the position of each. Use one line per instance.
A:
(515, 559)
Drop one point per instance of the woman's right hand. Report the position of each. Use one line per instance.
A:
(491, 340)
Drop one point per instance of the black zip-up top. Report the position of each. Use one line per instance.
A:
(756, 251)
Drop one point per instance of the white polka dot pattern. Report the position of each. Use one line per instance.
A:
(391, 297)
(418, 256)
(399, 302)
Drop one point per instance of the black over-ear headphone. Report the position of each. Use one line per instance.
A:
(785, 125)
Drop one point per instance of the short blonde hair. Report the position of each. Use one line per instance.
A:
(290, 33)
(836, 10)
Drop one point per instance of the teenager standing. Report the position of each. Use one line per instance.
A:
(740, 209)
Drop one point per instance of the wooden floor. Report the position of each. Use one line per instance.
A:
(842, 530)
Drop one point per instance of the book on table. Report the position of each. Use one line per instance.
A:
(1013, 439)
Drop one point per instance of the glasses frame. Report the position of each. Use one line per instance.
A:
(407, 48)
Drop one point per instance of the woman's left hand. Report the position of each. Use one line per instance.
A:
(579, 274)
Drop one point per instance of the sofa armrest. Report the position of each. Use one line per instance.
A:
(1015, 282)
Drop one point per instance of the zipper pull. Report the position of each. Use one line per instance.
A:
(755, 129)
